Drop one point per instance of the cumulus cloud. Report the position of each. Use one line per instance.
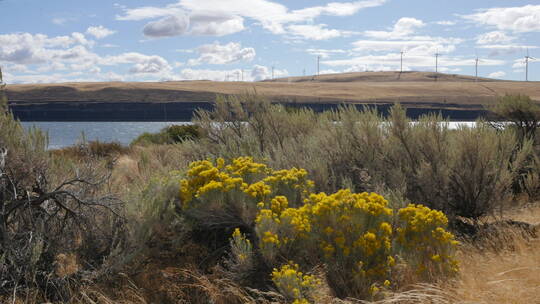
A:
(257, 73)
(518, 19)
(498, 74)
(414, 46)
(260, 72)
(37, 54)
(216, 53)
(313, 32)
(505, 49)
(25, 48)
(402, 28)
(445, 22)
(215, 25)
(325, 53)
(99, 31)
(217, 17)
(142, 64)
(391, 61)
(494, 38)
(167, 26)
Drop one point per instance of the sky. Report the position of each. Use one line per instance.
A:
(251, 40)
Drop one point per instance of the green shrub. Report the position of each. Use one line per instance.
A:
(92, 149)
(169, 135)
(522, 112)
(464, 172)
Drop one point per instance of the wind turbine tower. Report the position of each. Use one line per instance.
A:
(318, 64)
(272, 72)
(476, 68)
(401, 64)
(527, 57)
(437, 61)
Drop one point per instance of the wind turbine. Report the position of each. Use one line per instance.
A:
(318, 64)
(401, 62)
(527, 57)
(272, 72)
(476, 67)
(437, 61)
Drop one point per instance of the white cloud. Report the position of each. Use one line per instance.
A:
(257, 73)
(260, 72)
(25, 48)
(498, 74)
(313, 32)
(494, 37)
(413, 46)
(208, 25)
(142, 64)
(392, 62)
(325, 53)
(218, 17)
(329, 71)
(216, 53)
(446, 23)
(518, 19)
(167, 26)
(99, 31)
(402, 28)
(505, 49)
(62, 21)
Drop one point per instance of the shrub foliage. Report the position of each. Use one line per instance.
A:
(355, 235)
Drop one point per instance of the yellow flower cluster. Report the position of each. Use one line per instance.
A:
(293, 284)
(241, 248)
(349, 229)
(242, 166)
(244, 175)
(203, 177)
(354, 234)
(423, 236)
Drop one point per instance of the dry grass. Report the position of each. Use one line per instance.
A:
(510, 276)
(417, 87)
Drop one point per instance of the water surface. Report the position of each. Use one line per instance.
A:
(62, 134)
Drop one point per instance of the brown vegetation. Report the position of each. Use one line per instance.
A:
(413, 89)
(148, 251)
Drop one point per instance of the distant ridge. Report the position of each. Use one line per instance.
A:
(383, 77)
(412, 88)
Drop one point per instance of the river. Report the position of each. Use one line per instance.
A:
(62, 134)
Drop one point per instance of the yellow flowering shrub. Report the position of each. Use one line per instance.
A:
(350, 232)
(241, 186)
(295, 286)
(241, 259)
(355, 235)
(424, 240)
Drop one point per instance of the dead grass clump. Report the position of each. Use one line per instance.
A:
(510, 276)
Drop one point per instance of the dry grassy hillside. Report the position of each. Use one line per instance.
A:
(411, 88)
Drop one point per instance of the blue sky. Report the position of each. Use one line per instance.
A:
(142, 40)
